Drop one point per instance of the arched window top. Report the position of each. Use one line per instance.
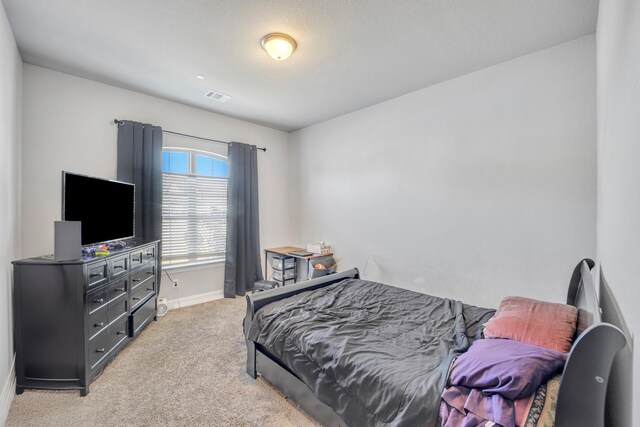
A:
(194, 162)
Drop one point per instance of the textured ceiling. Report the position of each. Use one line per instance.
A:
(351, 53)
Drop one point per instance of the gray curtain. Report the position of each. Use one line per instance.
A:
(140, 163)
(242, 261)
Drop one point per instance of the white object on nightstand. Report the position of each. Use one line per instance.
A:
(319, 248)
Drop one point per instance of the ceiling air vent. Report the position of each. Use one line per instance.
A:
(217, 96)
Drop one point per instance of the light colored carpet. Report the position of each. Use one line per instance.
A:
(187, 369)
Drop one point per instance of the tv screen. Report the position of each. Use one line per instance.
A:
(105, 208)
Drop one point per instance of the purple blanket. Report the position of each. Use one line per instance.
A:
(484, 382)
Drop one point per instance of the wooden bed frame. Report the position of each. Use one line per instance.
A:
(581, 397)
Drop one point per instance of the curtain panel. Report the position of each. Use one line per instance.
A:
(242, 258)
(140, 163)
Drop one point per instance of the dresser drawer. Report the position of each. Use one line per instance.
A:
(118, 266)
(142, 276)
(96, 300)
(149, 253)
(117, 308)
(99, 346)
(140, 294)
(143, 315)
(137, 258)
(98, 321)
(118, 331)
(118, 290)
(96, 273)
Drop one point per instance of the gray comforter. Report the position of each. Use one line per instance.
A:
(377, 354)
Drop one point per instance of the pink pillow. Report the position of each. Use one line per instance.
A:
(545, 324)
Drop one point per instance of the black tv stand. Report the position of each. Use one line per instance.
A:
(72, 317)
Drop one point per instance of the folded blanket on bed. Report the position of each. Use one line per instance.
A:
(539, 409)
(378, 355)
(485, 381)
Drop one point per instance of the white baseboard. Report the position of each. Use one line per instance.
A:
(195, 299)
(8, 392)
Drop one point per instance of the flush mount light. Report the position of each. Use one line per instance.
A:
(279, 46)
(200, 77)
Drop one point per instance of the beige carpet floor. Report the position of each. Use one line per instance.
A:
(186, 369)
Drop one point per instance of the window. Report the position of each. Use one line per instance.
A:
(194, 206)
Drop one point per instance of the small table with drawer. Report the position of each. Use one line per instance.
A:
(285, 266)
(72, 317)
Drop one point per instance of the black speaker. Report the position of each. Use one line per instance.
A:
(68, 242)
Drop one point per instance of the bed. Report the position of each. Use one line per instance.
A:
(392, 365)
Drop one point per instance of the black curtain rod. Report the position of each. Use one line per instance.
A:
(116, 121)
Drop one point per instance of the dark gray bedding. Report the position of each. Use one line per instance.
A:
(377, 354)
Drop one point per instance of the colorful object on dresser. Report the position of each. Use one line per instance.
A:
(549, 325)
(103, 250)
(485, 381)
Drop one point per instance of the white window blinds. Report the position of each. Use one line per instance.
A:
(194, 218)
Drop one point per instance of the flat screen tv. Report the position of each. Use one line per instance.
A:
(105, 208)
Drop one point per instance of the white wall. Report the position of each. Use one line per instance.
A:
(618, 39)
(68, 126)
(475, 188)
(10, 114)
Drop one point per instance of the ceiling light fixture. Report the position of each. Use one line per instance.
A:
(279, 46)
(200, 77)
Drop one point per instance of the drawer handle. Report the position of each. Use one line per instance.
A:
(100, 350)
(149, 289)
(120, 289)
(99, 300)
(135, 280)
(120, 332)
(98, 325)
(118, 266)
(135, 259)
(96, 274)
(136, 298)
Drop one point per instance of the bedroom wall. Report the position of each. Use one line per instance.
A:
(10, 115)
(618, 40)
(474, 188)
(68, 125)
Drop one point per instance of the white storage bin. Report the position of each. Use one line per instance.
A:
(282, 264)
(288, 274)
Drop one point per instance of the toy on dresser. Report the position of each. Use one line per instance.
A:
(103, 250)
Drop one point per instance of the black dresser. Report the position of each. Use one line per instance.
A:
(72, 317)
